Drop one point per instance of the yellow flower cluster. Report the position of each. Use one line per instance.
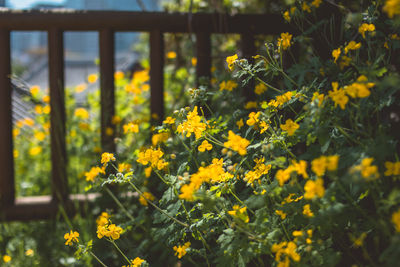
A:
(360, 88)
(231, 61)
(259, 170)
(396, 220)
(169, 120)
(392, 168)
(103, 218)
(323, 163)
(314, 188)
(284, 175)
(284, 41)
(180, 251)
(205, 145)
(287, 14)
(281, 214)
(138, 83)
(392, 8)
(367, 170)
(130, 128)
(124, 167)
(106, 158)
(93, 173)
(71, 237)
(301, 234)
(307, 211)
(352, 45)
(290, 199)
(227, 85)
(338, 96)
(146, 196)
(137, 262)
(366, 28)
(192, 124)
(111, 231)
(260, 88)
(290, 127)
(284, 251)
(213, 173)
(159, 138)
(154, 157)
(237, 143)
(253, 118)
(319, 97)
(81, 113)
(240, 213)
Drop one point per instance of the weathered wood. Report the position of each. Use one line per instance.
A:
(59, 182)
(248, 51)
(203, 54)
(157, 76)
(107, 89)
(143, 21)
(7, 184)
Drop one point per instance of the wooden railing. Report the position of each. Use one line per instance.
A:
(106, 23)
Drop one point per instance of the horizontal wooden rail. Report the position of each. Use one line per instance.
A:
(73, 20)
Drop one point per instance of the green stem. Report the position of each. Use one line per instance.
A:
(119, 203)
(156, 207)
(240, 201)
(115, 245)
(98, 260)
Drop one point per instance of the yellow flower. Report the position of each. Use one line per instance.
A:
(130, 128)
(253, 118)
(107, 157)
(6, 258)
(259, 170)
(264, 126)
(119, 75)
(260, 88)
(297, 233)
(102, 220)
(205, 145)
(250, 105)
(169, 120)
(336, 54)
(147, 171)
(240, 123)
(192, 124)
(28, 122)
(306, 7)
(29, 252)
(159, 138)
(300, 167)
(239, 213)
(316, 3)
(81, 113)
(286, 16)
(307, 211)
(171, 55)
(46, 109)
(228, 85)
(137, 262)
(34, 90)
(367, 170)
(146, 196)
(112, 231)
(92, 78)
(231, 61)
(38, 109)
(358, 242)
(283, 175)
(284, 251)
(396, 220)
(46, 99)
(392, 168)
(80, 87)
(16, 132)
(366, 28)
(314, 188)
(40, 136)
(152, 156)
(92, 174)
(237, 143)
(71, 237)
(194, 61)
(140, 76)
(319, 97)
(352, 46)
(124, 167)
(180, 251)
(116, 119)
(392, 8)
(35, 150)
(290, 127)
(15, 153)
(281, 214)
(338, 96)
(284, 41)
